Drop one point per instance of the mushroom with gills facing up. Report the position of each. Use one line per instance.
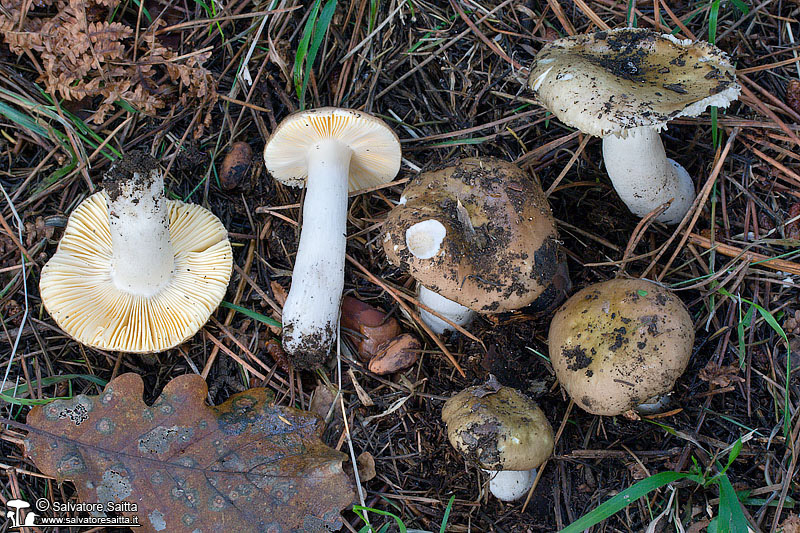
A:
(332, 151)
(478, 236)
(620, 345)
(624, 85)
(503, 431)
(135, 272)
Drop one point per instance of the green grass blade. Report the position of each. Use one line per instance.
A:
(730, 518)
(252, 314)
(359, 509)
(302, 51)
(320, 30)
(446, 516)
(623, 499)
(713, 17)
(6, 395)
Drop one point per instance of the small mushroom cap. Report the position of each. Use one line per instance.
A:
(498, 427)
(376, 150)
(617, 343)
(498, 249)
(609, 81)
(78, 292)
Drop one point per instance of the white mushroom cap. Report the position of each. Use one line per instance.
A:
(375, 148)
(607, 82)
(78, 291)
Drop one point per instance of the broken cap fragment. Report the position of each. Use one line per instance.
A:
(625, 85)
(135, 272)
(617, 344)
(331, 151)
(478, 235)
(503, 431)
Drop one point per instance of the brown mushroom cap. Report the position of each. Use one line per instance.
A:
(610, 81)
(499, 251)
(498, 427)
(618, 343)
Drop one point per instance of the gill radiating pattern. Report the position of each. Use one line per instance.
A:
(79, 293)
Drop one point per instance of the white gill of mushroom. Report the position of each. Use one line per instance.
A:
(424, 240)
(143, 260)
(312, 306)
(644, 177)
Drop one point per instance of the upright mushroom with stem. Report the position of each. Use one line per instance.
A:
(624, 85)
(135, 272)
(331, 151)
(478, 236)
(503, 431)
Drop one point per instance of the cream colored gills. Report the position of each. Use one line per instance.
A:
(138, 273)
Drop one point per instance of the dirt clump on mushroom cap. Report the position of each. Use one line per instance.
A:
(499, 252)
(615, 344)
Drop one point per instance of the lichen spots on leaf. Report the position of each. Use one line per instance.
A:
(245, 463)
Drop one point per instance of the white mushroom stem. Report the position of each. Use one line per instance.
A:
(654, 405)
(424, 240)
(445, 307)
(143, 260)
(312, 306)
(510, 485)
(644, 177)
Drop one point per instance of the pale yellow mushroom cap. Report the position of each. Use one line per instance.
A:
(609, 81)
(616, 344)
(375, 148)
(498, 427)
(77, 290)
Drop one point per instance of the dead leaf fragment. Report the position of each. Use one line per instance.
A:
(242, 466)
(793, 95)
(369, 326)
(366, 466)
(395, 355)
(721, 376)
(235, 165)
(791, 524)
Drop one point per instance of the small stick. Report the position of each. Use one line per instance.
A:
(753, 257)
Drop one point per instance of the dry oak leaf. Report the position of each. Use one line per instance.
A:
(242, 466)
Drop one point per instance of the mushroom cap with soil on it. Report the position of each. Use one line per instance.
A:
(620, 343)
(135, 272)
(503, 431)
(478, 235)
(624, 85)
(332, 151)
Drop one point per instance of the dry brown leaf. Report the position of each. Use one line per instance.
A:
(368, 326)
(243, 466)
(793, 95)
(721, 376)
(791, 524)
